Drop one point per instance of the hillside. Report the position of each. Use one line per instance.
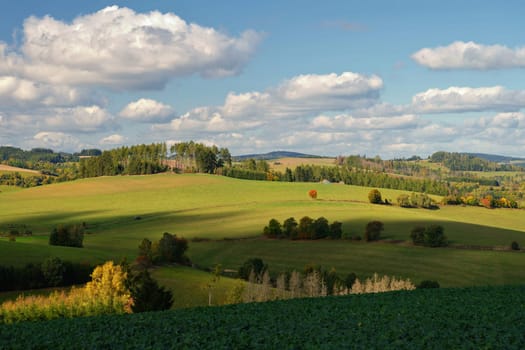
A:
(121, 211)
(497, 158)
(274, 155)
(471, 318)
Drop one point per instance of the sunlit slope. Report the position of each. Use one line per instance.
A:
(122, 210)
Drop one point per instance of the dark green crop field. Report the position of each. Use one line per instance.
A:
(470, 318)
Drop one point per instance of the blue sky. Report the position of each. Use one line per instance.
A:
(388, 78)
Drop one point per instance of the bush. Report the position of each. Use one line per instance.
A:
(273, 230)
(403, 200)
(427, 284)
(374, 196)
(53, 270)
(430, 236)
(147, 294)
(514, 246)
(255, 264)
(290, 228)
(336, 230)
(373, 230)
(418, 235)
(305, 228)
(170, 248)
(321, 228)
(68, 236)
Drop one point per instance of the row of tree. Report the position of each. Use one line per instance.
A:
(133, 160)
(320, 228)
(469, 162)
(52, 272)
(306, 228)
(314, 281)
(197, 157)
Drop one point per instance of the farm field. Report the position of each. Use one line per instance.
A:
(121, 211)
(10, 169)
(281, 164)
(469, 318)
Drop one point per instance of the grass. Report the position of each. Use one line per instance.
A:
(190, 286)
(451, 267)
(121, 211)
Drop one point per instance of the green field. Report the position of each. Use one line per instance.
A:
(470, 318)
(451, 267)
(121, 211)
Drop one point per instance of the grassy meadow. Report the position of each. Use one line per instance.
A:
(121, 211)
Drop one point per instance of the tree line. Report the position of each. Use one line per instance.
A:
(128, 160)
(469, 162)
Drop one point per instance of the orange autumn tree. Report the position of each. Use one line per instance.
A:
(312, 194)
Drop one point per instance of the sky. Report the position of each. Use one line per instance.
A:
(388, 78)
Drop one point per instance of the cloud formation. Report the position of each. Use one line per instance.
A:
(298, 97)
(470, 55)
(18, 92)
(467, 99)
(119, 48)
(55, 140)
(80, 119)
(114, 139)
(146, 110)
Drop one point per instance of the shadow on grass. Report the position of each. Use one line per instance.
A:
(457, 232)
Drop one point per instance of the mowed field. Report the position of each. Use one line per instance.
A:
(5, 169)
(281, 164)
(121, 211)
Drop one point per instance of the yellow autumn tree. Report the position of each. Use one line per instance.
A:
(105, 294)
(108, 290)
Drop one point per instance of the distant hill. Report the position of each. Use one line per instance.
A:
(497, 158)
(274, 155)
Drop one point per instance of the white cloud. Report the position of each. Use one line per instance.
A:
(146, 110)
(56, 140)
(509, 120)
(300, 97)
(470, 55)
(348, 122)
(465, 99)
(81, 119)
(25, 93)
(120, 48)
(114, 139)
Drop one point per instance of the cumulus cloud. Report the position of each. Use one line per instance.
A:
(147, 110)
(306, 94)
(114, 139)
(296, 98)
(348, 122)
(80, 119)
(465, 99)
(56, 140)
(18, 92)
(120, 48)
(470, 55)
